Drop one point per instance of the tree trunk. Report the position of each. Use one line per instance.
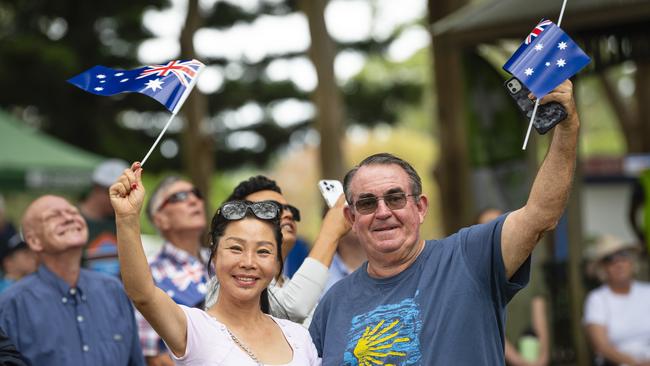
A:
(327, 97)
(198, 148)
(452, 171)
(643, 102)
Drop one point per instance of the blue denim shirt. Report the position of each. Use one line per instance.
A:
(54, 324)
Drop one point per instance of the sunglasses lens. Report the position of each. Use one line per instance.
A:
(294, 212)
(265, 210)
(395, 201)
(234, 211)
(366, 205)
(197, 193)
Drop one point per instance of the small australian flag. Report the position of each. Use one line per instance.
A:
(546, 58)
(169, 83)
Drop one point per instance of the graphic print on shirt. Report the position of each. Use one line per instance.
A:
(387, 335)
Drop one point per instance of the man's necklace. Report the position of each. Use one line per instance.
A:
(243, 347)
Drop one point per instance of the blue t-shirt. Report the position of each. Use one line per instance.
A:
(447, 308)
(54, 324)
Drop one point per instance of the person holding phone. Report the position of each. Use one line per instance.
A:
(246, 243)
(436, 302)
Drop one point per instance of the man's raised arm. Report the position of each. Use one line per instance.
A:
(548, 196)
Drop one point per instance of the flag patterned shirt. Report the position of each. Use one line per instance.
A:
(183, 277)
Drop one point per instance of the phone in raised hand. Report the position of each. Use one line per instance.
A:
(547, 116)
(331, 190)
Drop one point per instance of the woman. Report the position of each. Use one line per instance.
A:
(246, 241)
(616, 313)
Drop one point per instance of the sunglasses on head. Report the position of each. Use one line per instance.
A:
(180, 197)
(369, 204)
(295, 212)
(623, 254)
(236, 210)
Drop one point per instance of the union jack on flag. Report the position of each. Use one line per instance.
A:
(169, 83)
(539, 28)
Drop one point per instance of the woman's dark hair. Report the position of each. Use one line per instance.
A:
(252, 185)
(218, 228)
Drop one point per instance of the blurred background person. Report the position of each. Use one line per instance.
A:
(101, 252)
(293, 298)
(532, 337)
(63, 314)
(349, 256)
(17, 261)
(177, 211)
(616, 314)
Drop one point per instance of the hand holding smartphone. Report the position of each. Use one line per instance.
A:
(548, 115)
(331, 191)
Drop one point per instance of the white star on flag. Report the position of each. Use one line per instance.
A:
(538, 47)
(123, 80)
(101, 76)
(548, 64)
(562, 45)
(99, 88)
(561, 62)
(119, 74)
(529, 71)
(154, 84)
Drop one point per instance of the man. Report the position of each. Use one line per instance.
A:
(17, 261)
(101, 252)
(294, 298)
(436, 302)
(177, 211)
(63, 314)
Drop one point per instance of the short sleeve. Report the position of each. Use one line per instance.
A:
(595, 310)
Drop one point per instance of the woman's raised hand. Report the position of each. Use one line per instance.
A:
(127, 193)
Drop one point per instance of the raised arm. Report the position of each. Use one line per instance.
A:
(334, 227)
(548, 196)
(164, 315)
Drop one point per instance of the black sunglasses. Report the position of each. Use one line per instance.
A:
(394, 201)
(180, 197)
(295, 212)
(236, 210)
(622, 254)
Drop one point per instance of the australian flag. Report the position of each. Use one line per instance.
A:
(546, 58)
(169, 83)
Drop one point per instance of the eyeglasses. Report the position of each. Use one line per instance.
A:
(623, 254)
(394, 201)
(295, 212)
(180, 197)
(236, 210)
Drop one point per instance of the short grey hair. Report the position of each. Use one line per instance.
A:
(384, 159)
(158, 194)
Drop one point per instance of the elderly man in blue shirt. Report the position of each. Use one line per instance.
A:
(63, 314)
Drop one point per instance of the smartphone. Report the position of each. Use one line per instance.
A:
(548, 115)
(331, 190)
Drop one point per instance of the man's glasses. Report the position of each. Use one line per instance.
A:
(295, 212)
(180, 197)
(622, 254)
(394, 201)
(236, 210)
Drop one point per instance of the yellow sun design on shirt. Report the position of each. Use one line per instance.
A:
(378, 343)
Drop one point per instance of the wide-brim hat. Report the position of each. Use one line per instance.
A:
(604, 246)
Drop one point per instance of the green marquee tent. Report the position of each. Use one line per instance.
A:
(31, 159)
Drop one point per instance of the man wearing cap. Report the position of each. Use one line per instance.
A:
(101, 252)
(17, 261)
(617, 314)
(63, 314)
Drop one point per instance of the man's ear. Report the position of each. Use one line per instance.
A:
(349, 215)
(161, 221)
(423, 207)
(33, 241)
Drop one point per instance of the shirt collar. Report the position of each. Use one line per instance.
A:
(182, 256)
(58, 283)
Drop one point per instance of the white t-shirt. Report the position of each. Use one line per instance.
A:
(208, 343)
(626, 317)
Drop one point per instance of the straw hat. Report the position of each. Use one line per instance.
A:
(604, 246)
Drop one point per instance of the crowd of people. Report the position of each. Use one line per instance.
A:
(371, 291)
